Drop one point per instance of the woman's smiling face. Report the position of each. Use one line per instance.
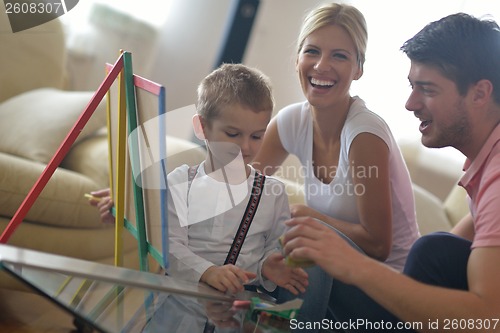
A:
(327, 64)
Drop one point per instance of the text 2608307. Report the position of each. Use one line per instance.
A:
(34, 7)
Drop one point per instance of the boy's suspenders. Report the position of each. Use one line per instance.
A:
(246, 220)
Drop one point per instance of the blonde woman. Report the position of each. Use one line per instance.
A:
(355, 178)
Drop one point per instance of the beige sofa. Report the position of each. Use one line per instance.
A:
(36, 114)
(440, 202)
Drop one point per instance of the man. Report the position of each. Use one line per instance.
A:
(450, 280)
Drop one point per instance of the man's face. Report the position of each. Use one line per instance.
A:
(435, 101)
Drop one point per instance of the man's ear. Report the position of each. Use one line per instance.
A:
(198, 127)
(482, 91)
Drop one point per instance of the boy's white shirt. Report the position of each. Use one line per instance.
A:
(195, 246)
(203, 187)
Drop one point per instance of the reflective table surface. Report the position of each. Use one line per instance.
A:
(105, 298)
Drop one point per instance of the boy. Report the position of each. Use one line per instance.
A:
(207, 202)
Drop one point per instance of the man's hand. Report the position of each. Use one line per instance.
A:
(275, 269)
(308, 239)
(227, 278)
(298, 210)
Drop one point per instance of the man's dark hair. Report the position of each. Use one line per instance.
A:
(464, 48)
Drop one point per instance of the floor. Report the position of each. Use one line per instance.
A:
(26, 312)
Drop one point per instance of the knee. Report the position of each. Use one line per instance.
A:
(429, 243)
(437, 243)
(423, 256)
(428, 250)
(434, 256)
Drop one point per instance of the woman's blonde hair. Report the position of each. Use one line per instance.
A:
(343, 15)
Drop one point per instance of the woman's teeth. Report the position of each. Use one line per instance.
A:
(322, 83)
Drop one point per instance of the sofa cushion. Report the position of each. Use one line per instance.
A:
(31, 59)
(61, 203)
(35, 123)
(90, 158)
(180, 151)
(430, 213)
(435, 170)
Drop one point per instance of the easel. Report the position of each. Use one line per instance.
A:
(140, 181)
(129, 117)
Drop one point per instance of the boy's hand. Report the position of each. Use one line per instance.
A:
(102, 200)
(221, 314)
(275, 269)
(227, 278)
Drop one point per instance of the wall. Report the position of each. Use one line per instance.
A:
(186, 48)
(191, 36)
(187, 55)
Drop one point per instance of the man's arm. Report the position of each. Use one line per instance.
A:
(406, 298)
(413, 301)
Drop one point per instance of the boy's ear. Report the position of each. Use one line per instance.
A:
(198, 127)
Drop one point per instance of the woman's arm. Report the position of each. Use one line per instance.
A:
(272, 153)
(369, 156)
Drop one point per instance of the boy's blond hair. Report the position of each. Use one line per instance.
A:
(234, 84)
